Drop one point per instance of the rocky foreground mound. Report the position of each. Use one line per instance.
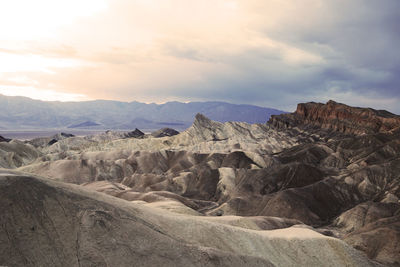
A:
(272, 194)
(45, 223)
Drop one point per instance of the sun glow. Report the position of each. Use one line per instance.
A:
(40, 94)
(10, 63)
(25, 19)
(25, 24)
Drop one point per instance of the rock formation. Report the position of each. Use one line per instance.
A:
(135, 133)
(15, 154)
(323, 174)
(339, 117)
(48, 141)
(2, 139)
(164, 132)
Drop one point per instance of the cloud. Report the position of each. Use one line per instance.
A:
(272, 53)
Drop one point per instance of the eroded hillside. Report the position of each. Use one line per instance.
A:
(325, 173)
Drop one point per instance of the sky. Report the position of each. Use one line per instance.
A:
(272, 53)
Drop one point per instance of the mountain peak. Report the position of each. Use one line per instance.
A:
(200, 118)
(331, 102)
(136, 133)
(202, 123)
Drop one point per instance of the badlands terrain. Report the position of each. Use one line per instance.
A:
(317, 187)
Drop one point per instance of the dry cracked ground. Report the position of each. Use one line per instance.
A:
(317, 187)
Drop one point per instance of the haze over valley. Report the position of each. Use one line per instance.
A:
(24, 114)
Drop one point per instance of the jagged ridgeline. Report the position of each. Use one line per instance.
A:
(317, 187)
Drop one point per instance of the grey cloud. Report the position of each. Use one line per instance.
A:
(358, 42)
(364, 38)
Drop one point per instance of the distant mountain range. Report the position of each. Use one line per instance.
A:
(25, 113)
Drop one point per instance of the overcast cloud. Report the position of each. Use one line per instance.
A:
(265, 52)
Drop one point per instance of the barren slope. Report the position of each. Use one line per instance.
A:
(49, 223)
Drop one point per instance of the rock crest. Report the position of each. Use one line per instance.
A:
(2, 139)
(338, 117)
(164, 132)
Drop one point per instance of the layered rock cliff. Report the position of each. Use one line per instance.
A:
(338, 117)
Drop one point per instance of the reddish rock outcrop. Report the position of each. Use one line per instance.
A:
(338, 117)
